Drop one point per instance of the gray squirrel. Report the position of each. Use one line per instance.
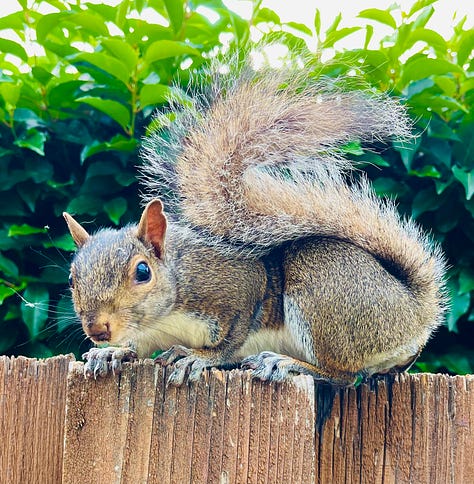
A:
(276, 261)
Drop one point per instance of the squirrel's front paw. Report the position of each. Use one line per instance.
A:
(100, 360)
(183, 358)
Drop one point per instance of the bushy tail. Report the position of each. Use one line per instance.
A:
(257, 162)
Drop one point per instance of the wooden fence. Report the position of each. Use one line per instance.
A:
(58, 427)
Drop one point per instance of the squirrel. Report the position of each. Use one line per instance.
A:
(278, 259)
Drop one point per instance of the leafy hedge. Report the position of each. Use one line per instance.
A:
(72, 115)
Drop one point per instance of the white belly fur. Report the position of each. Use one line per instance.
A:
(277, 340)
(178, 328)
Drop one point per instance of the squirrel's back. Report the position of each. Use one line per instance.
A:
(257, 162)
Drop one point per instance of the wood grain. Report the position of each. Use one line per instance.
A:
(56, 426)
(32, 416)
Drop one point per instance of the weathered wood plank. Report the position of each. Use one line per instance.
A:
(32, 416)
(197, 433)
(414, 429)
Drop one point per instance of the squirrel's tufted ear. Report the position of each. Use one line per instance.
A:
(78, 232)
(152, 226)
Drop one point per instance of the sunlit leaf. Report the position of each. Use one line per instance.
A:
(382, 16)
(14, 48)
(107, 63)
(163, 49)
(24, 229)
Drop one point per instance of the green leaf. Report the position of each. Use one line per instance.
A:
(459, 305)
(337, 35)
(125, 178)
(65, 94)
(115, 208)
(431, 37)
(13, 48)
(266, 15)
(417, 6)
(299, 27)
(13, 21)
(33, 140)
(382, 16)
(466, 46)
(369, 32)
(122, 51)
(466, 280)
(85, 204)
(423, 18)
(25, 229)
(102, 168)
(34, 309)
(63, 242)
(117, 111)
(427, 171)
(175, 9)
(153, 94)
(425, 201)
(11, 93)
(90, 22)
(448, 85)
(39, 170)
(106, 63)
(42, 75)
(352, 148)
(408, 149)
(164, 49)
(466, 178)
(8, 267)
(385, 186)
(422, 67)
(47, 23)
(317, 22)
(335, 24)
(117, 143)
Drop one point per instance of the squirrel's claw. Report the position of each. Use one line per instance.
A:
(173, 354)
(100, 360)
(183, 358)
(269, 366)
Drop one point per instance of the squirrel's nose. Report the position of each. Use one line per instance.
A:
(97, 331)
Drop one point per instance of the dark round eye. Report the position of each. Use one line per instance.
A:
(70, 281)
(142, 272)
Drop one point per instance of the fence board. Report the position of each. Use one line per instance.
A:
(58, 427)
(32, 411)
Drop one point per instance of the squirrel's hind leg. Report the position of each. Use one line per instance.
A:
(269, 366)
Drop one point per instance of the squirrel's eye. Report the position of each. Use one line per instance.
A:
(142, 272)
(70, 281)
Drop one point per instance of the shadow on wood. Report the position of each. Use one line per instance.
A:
(229, 428)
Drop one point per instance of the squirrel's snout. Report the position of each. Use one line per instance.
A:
(97, 332)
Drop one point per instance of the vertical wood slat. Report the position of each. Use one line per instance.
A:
(196, 433)
(55, 426)
(416, 429)
(32, 414)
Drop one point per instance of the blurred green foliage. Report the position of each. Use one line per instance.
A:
(78, 87)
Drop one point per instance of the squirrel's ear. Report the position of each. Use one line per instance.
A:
(152, 226)
(78, 232)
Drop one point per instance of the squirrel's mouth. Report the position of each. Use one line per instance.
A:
(100, 337)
